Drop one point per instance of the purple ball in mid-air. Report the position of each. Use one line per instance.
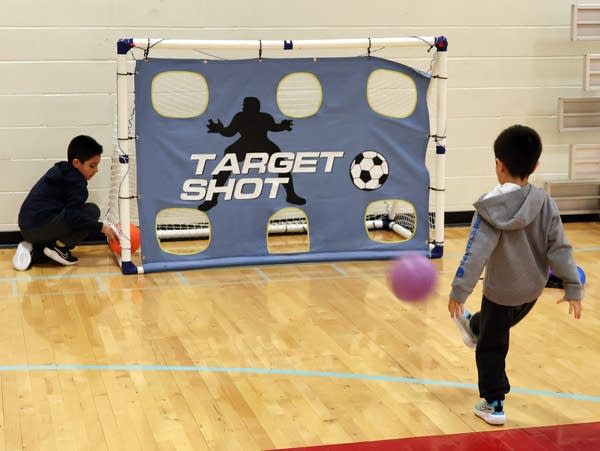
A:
(412, 277)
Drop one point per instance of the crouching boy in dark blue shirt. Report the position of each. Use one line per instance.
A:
(55, 216)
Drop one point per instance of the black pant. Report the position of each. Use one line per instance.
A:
(57, 228)
(492, 324)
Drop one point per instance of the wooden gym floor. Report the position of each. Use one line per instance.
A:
(269, 357)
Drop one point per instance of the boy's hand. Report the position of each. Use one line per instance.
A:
(109, 232)
(574, 307)
(455, 308)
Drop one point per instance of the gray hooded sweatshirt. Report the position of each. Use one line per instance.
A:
(517, 236)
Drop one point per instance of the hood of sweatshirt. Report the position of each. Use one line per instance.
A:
(514, 210)
(63, 171)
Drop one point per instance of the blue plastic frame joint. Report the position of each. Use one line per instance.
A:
(437, 251)
(129, 268)
(441, 43)
(124, 45)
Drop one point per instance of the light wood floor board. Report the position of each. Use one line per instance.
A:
(270, 356)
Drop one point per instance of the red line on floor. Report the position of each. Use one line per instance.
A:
(569, 437)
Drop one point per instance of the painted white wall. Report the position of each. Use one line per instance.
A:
(509, 62)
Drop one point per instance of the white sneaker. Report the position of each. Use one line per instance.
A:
(468, 336)
(487, 412)
(22, 257)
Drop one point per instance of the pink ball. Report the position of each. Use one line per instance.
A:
(412, 277)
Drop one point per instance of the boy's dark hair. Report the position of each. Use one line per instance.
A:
(83, 148)
(518, 148)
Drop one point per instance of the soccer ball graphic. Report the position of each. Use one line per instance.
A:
(369, 170)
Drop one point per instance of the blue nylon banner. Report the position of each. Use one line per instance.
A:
(301, 162)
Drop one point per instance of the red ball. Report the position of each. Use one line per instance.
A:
(134, 237)
(412, 277)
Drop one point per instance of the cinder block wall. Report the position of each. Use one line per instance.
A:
(509, 63)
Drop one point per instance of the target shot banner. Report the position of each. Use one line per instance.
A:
(232, 143)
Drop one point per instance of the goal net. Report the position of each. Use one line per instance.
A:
(223, 145)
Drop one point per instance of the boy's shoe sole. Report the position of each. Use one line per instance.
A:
(22, 257)
(58, 256)
(487, 413)
(462, 322)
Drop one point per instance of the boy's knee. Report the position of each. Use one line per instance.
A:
(91, 211)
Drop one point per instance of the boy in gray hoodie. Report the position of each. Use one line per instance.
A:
(516, 234)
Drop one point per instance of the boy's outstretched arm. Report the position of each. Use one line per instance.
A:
(574, 307)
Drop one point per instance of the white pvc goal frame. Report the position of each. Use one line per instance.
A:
(121, 160)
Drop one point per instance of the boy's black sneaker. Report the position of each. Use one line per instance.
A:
(60, 255)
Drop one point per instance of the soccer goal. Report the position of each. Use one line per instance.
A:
(223, 144)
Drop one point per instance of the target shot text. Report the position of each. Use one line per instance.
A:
(279, 163)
